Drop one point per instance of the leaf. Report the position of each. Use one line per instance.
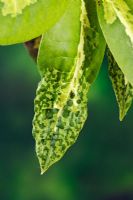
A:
(57, 111)
(96, 42)
(23, 20)
(117, 27)
(65, 62)
(122, 88)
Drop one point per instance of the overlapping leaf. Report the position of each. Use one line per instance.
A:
(122, 88)
(97, 41)
(22, 20)
(69, 58)
(116, 20)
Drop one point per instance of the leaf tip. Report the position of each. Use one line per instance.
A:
(122, 115)
(43, 168)
(43, 171)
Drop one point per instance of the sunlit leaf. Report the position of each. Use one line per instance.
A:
(68, 62)
(117, 27)
(22, 20)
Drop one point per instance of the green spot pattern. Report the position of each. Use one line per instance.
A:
(15, 7)
(62, 94)
(122, 88)
(54, 128)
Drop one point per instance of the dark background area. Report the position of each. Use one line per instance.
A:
(98, 167)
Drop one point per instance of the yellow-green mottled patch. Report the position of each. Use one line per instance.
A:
(61, 98)
(15, 7)
(109, 13)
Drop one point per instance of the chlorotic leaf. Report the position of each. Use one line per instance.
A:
(122, 88)
(64, 60)
(117, 27)
(22, 20)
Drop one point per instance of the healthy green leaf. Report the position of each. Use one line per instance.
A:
(116, 20)
(65, 62)
(96, 44)
(122, 88)
(22, 20)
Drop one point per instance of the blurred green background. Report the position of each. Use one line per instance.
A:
(98, 167)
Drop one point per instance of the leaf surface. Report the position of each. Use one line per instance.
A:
(122, 88)
(117, 26)
(65, 61)
(96, 44)
(22, 20)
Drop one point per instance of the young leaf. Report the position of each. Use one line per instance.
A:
(116, 20)
(122, 88)
(23, 20)
(65, 61)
